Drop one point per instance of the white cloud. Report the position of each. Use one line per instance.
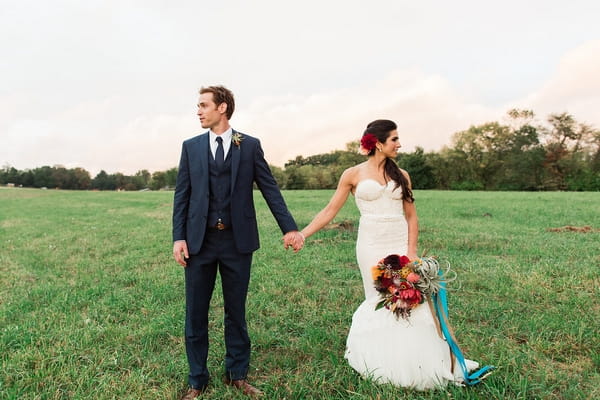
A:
(99, 135)
(574, 87)
(426, 108)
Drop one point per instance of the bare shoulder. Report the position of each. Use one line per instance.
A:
(350, 175)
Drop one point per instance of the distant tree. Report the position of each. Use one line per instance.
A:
(279, 175)
(10, 174)
(322, 177)
(171, 177)
(421, 172)
(321, 171)
(565, 152)
(351, 155)
(523, 155)
(120, 180)
(43, 177)
(453, 170)
(159, 180)
(593, 177)
(62, 178)
(296, 178)
(297, 162)
(142, 179)
(26, 178)
(497, 156)
(81, 178)
(102, 181)
(484, 148)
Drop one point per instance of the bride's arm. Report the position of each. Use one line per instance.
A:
(337, 201)
(410, 213)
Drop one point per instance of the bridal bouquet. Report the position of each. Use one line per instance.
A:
(403, 285)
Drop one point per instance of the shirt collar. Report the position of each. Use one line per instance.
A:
(225, 135)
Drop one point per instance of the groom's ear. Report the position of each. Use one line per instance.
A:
(222, 108)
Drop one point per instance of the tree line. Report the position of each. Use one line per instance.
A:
(59, 177)
(519, 154)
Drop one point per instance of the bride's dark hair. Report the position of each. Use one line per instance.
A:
(381, 129)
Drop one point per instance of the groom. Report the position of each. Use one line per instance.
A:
(215, 228)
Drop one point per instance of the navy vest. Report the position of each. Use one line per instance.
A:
(220, 191)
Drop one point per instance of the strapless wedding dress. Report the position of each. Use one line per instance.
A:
(404, 352)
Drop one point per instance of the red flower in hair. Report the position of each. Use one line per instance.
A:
(367, 143)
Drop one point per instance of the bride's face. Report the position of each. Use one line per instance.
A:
(392, 145)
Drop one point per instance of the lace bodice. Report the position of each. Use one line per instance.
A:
(373, 199)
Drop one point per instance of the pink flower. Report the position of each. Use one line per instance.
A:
(413, 277)
(411, 296)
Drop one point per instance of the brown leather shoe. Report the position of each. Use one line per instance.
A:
(192, 394)
(245, 387)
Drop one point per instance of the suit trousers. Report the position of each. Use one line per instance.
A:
(218, 252)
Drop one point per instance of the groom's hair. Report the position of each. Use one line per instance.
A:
(221, 95)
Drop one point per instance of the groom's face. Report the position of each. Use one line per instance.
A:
(208, 112)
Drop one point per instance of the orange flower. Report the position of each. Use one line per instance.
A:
(376, 272)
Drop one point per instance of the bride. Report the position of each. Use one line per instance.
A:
(405, 352)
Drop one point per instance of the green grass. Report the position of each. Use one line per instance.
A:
(92, 304)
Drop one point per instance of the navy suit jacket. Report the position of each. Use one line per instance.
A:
(248, 165)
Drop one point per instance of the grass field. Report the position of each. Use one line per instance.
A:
(92, 305)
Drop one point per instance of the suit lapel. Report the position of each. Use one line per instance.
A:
(235, 162)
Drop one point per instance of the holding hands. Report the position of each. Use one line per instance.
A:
(293, 239)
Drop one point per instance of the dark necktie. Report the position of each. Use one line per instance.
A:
(219, 154)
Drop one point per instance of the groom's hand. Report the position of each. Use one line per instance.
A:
(293, 239)
(180, 252)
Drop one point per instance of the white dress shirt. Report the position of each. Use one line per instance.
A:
(226, 141)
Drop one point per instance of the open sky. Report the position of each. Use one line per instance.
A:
(113, 84)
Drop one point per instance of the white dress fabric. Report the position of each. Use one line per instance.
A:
(404, 352)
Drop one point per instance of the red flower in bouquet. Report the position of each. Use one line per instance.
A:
(411, 296)
(396, 262)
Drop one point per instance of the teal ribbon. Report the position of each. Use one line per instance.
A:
(440, 302)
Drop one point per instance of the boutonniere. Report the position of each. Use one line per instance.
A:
(237, 138)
